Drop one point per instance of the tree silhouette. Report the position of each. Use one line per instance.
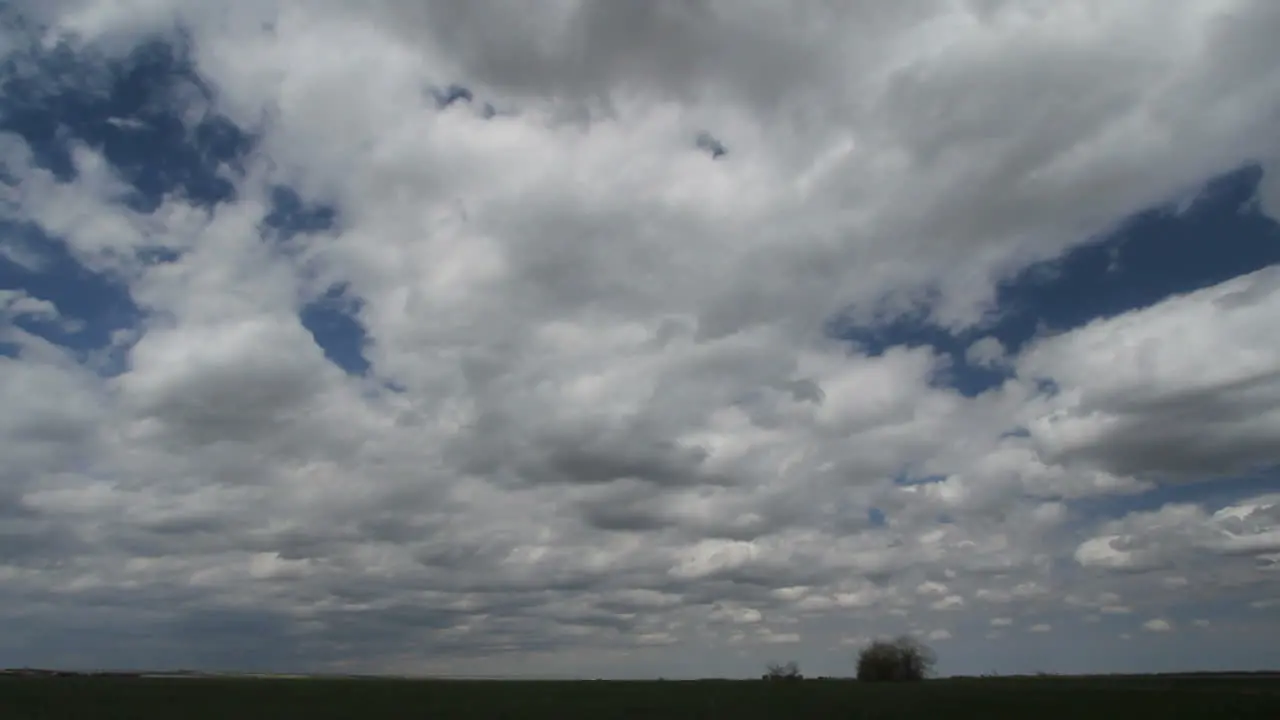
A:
(787, 671)
(903, 659)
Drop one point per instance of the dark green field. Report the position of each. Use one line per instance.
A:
(248, 699)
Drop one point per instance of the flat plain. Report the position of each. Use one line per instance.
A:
(1041, 698)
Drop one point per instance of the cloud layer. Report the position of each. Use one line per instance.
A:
(591, 402)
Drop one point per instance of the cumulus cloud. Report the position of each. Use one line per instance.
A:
(986, 352)
(1179, 533)
(1152, 393)
(604, 411)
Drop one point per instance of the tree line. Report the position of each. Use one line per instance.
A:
(902, 659)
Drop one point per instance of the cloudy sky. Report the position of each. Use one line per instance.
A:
(639, 338)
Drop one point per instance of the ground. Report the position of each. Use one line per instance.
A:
(1165, 697)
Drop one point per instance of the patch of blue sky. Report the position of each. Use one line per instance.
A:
(132, 112)
(906, 479)
(876, 517)
(100, 304)
(1212, 494)
(1155, 254)
(333, 318)
(711, 145)
(455, 93)
(333, 322)
(290, 214)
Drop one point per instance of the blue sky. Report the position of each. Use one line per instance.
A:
(455, 361)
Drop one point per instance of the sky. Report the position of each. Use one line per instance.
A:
(639, 339)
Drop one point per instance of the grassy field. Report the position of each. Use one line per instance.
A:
(314, 699)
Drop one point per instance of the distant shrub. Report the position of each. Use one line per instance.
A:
(904, 659)
(783, 672)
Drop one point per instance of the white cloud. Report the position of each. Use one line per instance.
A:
(617, 422)
(986, 352)
(931, 588)
(949, 602)
(1269, 191)
(1151, 392)
(1040, 628)
(1157, 625)
(739, 615)
(769, 637)
(1177, 532)
(16, 304)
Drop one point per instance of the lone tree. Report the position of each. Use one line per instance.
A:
(903, 659)
(788, 671)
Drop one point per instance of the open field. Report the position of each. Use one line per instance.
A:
(248, 699)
